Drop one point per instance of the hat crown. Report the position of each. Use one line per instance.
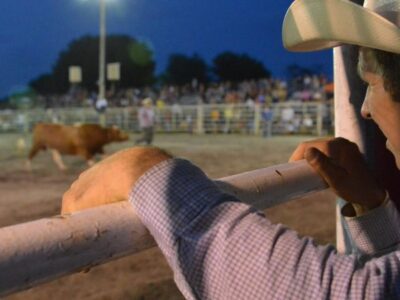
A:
(311, 25)
(389, 9)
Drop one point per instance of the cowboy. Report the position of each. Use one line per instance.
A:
(220, 248)
(146, 119)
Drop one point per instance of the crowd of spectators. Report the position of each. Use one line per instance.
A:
(263, 91)
(171, 114)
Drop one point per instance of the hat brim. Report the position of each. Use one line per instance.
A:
(311, 25)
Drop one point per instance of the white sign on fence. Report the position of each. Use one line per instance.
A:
(114, 71)
(75, 74)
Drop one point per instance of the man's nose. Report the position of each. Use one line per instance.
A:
(365, 113)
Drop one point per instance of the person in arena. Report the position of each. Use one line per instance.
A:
(220, 248)
(146, 118)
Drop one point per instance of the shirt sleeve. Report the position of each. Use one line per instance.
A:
(220, 248)
(376, 232)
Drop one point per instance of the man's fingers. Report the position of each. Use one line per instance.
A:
(330, 172)
(321, 144)
(298, 154)
(67, 201)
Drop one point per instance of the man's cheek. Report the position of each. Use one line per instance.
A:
(395, 152)
(397, 158)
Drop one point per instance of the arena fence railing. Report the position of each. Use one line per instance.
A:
(43, 250)
(292, 117)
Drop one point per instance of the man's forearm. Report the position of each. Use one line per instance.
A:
(220, 248)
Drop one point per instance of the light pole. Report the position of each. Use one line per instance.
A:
(102, 51)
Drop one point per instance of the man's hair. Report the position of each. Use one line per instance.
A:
(385, 64)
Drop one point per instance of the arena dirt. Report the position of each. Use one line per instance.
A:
(27, 196)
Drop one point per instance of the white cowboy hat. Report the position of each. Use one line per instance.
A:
(320, 24)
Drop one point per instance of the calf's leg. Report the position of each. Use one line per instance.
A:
(32, 153)
(88, 155)
(58, 160)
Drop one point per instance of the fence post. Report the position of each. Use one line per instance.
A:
(200, 119)
(319, 118)
(257, 118)
(125, 119)
(28, 121)
(349, 96)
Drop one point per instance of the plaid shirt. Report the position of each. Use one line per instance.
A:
(220, 248)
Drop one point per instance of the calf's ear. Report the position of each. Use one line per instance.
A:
(114, 127)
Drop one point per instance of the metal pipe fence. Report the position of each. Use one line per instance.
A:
(291, 117)
(43, 250)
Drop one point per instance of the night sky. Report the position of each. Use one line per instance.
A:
(33, 32)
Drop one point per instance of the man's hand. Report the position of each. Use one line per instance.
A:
(342, 166)
(112, 179)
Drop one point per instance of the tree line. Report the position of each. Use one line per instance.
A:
(138, 66)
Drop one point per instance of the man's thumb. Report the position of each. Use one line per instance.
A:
(328, 170)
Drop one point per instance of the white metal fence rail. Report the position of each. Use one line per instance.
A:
(280, 118)
(43, 250)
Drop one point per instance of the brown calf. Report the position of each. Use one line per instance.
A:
(85, 140)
